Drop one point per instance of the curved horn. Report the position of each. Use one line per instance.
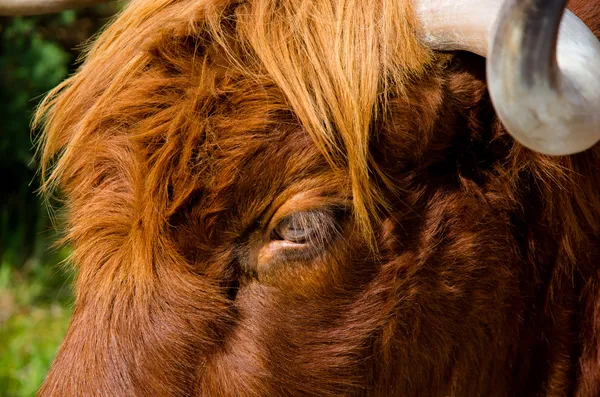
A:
(543, 74)
(38, 7)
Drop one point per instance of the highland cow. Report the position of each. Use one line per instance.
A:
(323, 198)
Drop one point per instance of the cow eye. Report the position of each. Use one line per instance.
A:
(298, 236)
(307, 227)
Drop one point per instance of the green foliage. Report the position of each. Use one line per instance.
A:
(34, 316)
(31, 64)
(36, 54)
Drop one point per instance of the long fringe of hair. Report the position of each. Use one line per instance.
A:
(334, 61)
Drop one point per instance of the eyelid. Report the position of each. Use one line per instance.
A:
(304, 227)
(327, 228)
(301, 203)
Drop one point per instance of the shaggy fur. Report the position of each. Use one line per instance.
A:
(448, 260)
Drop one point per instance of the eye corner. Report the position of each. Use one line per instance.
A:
(274, 235)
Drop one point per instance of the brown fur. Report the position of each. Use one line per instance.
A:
(461, 263)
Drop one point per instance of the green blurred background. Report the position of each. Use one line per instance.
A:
(36, 53)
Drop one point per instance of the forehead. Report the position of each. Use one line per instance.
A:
(255, 156)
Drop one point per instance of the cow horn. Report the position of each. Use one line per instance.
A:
(544, 83)
(38, 7)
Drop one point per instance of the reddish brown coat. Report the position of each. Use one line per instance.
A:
(485, 280)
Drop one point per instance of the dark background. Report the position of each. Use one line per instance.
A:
(36, 54)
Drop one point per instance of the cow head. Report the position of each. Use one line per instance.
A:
(300, 198)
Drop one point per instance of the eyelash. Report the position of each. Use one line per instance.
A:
(320, 227)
